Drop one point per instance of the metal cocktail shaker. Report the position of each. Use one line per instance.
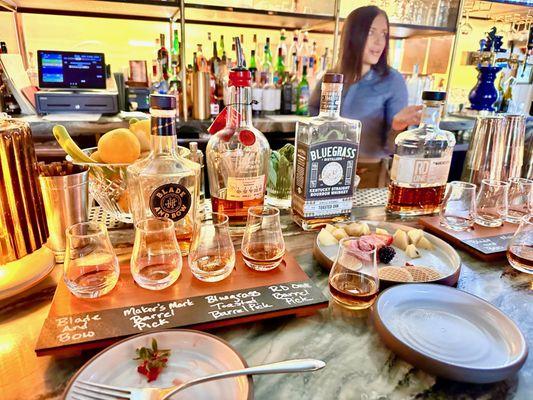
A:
(200, 95)
(66, 203)
(496, 149)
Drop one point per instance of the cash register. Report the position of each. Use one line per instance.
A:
(73, 82)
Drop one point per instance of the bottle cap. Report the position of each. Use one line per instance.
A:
(433, 95)
(163, 102)
(331, 77)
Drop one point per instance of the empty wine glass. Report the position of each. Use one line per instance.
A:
(459, 206)
(263, 246)
(156, 258)
(520, 199)
(91, 267)
(520, 250)
(212, 255)
(353, 279)
(491, 203)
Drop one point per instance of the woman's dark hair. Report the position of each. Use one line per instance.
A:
(353, 41)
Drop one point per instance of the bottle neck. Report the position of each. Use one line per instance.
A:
(163, 134)
(330, 100)
(431, 114)
(240, 107)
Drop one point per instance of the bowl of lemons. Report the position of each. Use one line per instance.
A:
(108, 163)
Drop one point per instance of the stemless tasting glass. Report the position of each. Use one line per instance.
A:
(353, 279)
(263, 246)
(212, 255)
(156, 258)
(491, 203)
(91, 267)
(520, 250)
(520, 199)
(459, 206)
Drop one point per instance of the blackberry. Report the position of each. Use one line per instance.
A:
(386, 254)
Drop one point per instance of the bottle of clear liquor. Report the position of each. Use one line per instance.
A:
(164, 184)
(327, 148)
(237, 155)
(421, 163)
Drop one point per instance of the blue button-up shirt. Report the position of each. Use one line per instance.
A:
(374, 101)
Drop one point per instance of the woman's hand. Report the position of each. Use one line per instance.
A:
(410, 115)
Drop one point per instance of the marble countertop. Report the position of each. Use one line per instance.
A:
(359, 366)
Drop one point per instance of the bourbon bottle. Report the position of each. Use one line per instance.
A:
(327, 148)
(165, 184)
(421, 163)
(237, 155)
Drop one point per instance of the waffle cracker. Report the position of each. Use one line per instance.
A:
(422, 274)
(397, 274)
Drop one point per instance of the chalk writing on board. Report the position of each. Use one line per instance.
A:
(235, 304)
(292, 293)
(75, 328)
(154, 316)
(489, 245)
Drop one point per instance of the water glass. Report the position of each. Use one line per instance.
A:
(263, 246)
(520, 250)
(91, 267)
(459, 206)
(212, 255)
(353, 279)
(520, 199)
(491, 203)
(156, 258)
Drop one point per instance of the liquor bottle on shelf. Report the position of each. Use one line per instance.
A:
(304, 53)
(294, 82)
(174, 85)
(286, 94)
(268, 52)
(280, 67)
(253, 64)
(175, 51)
(162, 57)
(159, 84)
(201, 61)
(164, 184)
(294, 50)
(214, 62)
(421, 162)
(302, 97)
(327, 148)
(283, 47)
(221, 45)
(238, 155)
(254, 44)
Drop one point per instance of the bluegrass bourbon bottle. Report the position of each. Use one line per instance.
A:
(164, 184)
(327, 148)
(238, 154)
(421, 163)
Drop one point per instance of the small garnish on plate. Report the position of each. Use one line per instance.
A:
(151, 360)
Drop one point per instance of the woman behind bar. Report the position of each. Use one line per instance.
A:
(374, 93)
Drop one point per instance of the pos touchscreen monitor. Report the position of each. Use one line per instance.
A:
(71, 70)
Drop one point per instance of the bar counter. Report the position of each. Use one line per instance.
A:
(359, 366)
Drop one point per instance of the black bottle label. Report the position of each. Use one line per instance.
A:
(170, 200)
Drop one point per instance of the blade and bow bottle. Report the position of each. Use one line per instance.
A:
(238, 154)
(165, 184)
(327, 148)
(421, 163)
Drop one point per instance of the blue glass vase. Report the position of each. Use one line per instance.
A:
(484, 94)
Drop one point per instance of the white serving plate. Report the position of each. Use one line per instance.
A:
(192, 354)
(443, 258)
(449, 333)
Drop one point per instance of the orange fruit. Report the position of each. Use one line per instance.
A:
(119, 146)
(141, 129)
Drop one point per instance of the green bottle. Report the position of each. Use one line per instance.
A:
(253, 63)
(302, 99)
(175, 51)
(221, 44)
(280, 67)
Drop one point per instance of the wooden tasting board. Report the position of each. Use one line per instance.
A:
(487, 244)
(75, 324)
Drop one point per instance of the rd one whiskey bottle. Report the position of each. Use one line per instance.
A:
(164, 184)
(421, 163)
(327, 148)
(237, 155)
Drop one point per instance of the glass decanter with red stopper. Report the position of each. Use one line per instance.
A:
(237, 154)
